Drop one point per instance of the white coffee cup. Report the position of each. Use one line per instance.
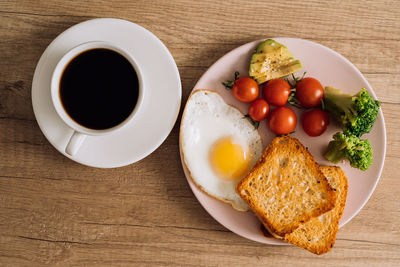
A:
(80, 131)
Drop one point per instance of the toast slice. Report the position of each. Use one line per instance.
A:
(318, 235)
(286, 187)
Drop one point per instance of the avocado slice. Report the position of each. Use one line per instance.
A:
(260, 62)
(272, 60)
(280, 53)
(278, 71)
(267, 46)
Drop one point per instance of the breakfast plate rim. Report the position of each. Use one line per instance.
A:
(272, 241)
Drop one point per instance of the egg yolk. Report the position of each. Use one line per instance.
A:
(228, 158)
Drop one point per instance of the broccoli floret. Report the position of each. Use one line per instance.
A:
(352, 148)
(356, 113)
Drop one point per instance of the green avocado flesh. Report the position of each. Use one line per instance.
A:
(267, 46)
(272, 60)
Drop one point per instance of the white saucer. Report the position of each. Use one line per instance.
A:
(160, 105)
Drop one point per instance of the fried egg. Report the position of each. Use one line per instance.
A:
(219, 146)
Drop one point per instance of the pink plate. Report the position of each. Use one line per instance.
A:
(330, 68)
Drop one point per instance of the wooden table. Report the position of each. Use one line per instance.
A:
(55, 212)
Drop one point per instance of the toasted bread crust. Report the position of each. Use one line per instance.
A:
(319, 234)
(279, 169)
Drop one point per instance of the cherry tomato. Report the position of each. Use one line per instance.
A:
(245, 89)
(315, 122)
(282, 120)
(309, 92)
(259, 109)
(277, 92)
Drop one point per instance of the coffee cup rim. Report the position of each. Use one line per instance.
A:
(59, 70)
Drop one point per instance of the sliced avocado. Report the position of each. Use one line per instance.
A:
(268, 46)
(258, 69)
(259, 63)
(272, 60)
(281, 53)
(278, 71)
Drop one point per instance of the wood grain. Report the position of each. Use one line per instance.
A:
(55, 212)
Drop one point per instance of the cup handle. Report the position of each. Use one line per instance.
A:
(75, 143)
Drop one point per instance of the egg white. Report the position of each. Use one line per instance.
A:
(206, 119)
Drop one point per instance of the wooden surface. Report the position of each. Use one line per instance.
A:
(55, 212)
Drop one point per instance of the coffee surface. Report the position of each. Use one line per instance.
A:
(99, 88)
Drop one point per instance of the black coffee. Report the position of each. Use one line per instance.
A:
(99, 88)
